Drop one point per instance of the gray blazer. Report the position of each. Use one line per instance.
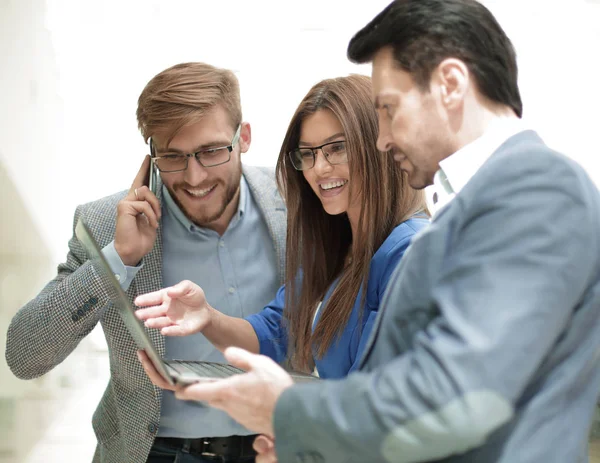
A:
(46, 330)
(487, 344)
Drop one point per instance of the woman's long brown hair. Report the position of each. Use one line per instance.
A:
(318, 243)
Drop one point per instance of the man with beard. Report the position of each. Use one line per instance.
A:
(212, 221)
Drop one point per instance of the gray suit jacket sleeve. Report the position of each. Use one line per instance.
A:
(528, 241)
(48, 328)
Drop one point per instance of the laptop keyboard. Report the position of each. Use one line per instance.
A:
(220, 370)
(204, 369)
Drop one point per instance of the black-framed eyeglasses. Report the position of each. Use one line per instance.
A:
(176, 162)
(334, 152)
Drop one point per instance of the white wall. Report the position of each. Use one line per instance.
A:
(558, 51)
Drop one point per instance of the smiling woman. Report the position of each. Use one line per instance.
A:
(348, 200)
(327, 173)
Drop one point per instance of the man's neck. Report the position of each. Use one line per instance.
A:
(220, 225)
(478, 121)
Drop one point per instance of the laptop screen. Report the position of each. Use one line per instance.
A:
(119, 298)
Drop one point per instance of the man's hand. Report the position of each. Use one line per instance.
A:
(137, 220)
(265, 450)
(248, 398)
(154, 375)
(180, 310)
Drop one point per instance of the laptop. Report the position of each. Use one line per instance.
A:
(173, 371)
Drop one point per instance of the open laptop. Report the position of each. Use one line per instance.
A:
(173, 371)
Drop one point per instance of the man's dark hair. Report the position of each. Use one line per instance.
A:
(422, 33)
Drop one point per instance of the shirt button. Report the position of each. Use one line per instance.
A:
(231, 290)
(221, 244)
(118, 277)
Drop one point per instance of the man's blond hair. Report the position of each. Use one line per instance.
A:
(182, 94)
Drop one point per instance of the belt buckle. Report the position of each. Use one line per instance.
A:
(204, 452)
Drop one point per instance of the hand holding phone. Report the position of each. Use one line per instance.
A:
(138, 215)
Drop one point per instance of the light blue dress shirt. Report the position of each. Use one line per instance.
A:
(237, 272)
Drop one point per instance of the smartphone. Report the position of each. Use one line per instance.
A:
(153, 173)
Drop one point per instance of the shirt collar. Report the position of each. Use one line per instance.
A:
(173, 208)
(243, 203)
(457, 169)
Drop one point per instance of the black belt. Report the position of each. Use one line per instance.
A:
(227, 447)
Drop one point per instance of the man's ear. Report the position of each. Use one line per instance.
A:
(452, 78)
(245, 137)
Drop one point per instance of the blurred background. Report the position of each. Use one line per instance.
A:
(70, 76)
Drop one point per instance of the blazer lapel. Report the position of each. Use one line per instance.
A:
(264, 190)
(380, 314)
(374, 332)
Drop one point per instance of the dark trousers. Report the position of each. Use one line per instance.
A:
(168, 454)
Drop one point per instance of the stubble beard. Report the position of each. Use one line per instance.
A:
(202, 220)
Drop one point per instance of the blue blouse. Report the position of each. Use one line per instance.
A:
(345, 352)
